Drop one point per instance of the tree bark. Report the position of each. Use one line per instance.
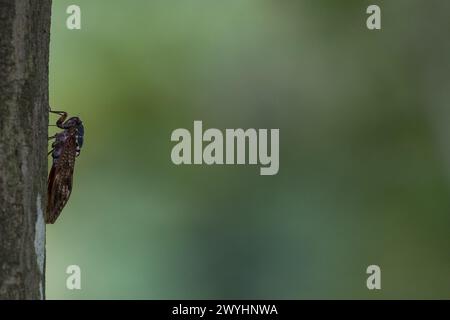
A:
(24, 52)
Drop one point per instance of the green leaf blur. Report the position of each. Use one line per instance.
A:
(364, 152)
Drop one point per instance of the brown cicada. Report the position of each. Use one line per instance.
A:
(65, 149)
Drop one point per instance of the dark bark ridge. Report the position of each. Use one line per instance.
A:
(24, 54)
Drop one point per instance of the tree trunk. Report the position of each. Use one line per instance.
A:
(24, 47)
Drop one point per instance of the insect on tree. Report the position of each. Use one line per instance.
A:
(65, 149)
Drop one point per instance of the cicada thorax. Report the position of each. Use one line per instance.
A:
(66, 148)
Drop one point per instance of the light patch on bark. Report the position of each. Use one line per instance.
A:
(39, 240)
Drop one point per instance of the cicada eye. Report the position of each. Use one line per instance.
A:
(80, 130)
(80, 135)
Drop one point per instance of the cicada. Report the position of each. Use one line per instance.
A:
(65, 149)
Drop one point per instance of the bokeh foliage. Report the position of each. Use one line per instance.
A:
(364, 165)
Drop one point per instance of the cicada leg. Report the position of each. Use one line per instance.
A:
(62, 117)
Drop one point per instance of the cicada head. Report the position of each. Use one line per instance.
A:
(72, 122)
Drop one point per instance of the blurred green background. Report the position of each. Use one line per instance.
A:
(364, 149)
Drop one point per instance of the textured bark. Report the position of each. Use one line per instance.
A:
(24, 51)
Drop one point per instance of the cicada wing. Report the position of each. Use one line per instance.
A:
(59, 190)
(60, 181)
(50, 195)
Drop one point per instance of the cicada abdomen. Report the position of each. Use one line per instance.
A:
(66, 148)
